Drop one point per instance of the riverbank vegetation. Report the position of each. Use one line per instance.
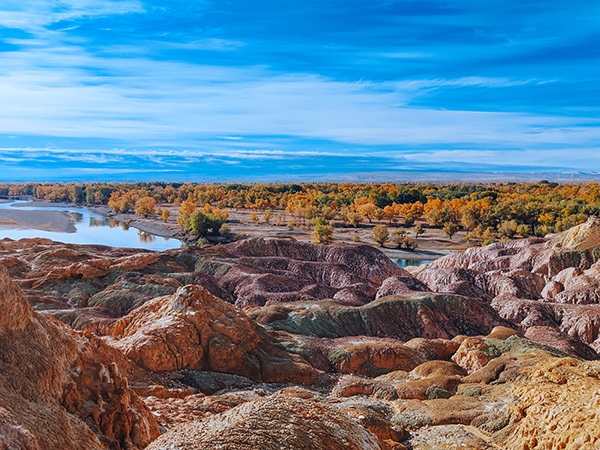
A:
(487, 212)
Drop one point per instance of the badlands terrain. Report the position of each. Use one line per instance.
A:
(272, 343)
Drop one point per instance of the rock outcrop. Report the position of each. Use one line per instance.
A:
(195, 330)
(557, 406)
(426, 315)
(89, 287)
(60, 389)
(277, 423)
(285, 270)
(336, 347)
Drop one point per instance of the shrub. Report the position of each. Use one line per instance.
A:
(381, 234)
(323, 233)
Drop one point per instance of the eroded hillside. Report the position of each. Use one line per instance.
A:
(273, 343)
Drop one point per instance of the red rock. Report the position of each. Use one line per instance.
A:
(552, 289)
(553, 337)
(405, 286)
(285, 270)
(62, 390)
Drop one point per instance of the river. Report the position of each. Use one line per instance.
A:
(91, 228)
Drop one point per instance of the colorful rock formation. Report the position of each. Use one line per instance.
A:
(60, 389)
(272, 343)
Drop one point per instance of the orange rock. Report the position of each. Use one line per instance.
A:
(502, 333)
(472, 355)
(371, 356)
(192, 329)
(438, 368)
(558, 406)
(60, 389)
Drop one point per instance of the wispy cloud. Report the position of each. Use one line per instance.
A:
(431, 80)
(34, 16)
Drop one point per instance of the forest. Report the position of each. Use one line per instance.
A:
(487, 211)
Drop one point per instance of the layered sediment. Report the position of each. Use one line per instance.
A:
(273, 343)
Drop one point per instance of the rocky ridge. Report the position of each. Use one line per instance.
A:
(272, 343)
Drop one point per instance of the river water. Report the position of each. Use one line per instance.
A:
(92, 228)
(411, 262)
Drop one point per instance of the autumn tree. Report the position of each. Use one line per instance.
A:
(266, 216)
(76, 193)
(389, 213)
(187, 208)
(524, 230)
(366, 210)
(508, 228)
(402, 240)
(411, 212)
(145, 206)
(378, 214)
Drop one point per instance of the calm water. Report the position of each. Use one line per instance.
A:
(92, 228)
(411, 262)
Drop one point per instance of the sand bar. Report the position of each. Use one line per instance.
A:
(56, 221)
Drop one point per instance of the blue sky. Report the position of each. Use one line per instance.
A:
(276, 90)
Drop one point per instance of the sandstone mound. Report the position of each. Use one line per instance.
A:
(364, 260)
(277, 424)
(557, 406)
(61, 390)
(580, 238)
(194, 330)
(404, 286)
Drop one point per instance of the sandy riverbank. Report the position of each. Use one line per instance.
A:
(56, 221)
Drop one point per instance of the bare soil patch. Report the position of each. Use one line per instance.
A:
(56, 221)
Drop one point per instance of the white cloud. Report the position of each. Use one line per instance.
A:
(54, 87)
(57, 92)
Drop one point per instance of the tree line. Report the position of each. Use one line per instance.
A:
(486, 211)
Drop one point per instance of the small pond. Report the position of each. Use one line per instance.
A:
(91, 228)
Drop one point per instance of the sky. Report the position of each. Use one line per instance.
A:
(122, 90)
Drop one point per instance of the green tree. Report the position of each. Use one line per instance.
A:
(418, 230)
(380, 234)
(323, 232)
(202, 224)
(450, 229)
